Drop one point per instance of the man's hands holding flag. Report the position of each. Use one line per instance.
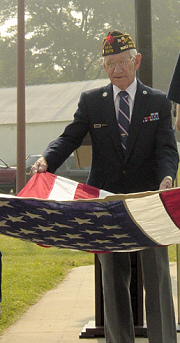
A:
(39, 166)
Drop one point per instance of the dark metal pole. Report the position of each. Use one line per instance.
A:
(143, 32)
(144, 39)
(21, 175)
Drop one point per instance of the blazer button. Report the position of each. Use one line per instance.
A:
(124, 172)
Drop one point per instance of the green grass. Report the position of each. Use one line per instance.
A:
(29, 271)
(172, 253)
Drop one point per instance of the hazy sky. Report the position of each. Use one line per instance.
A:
(8, 23)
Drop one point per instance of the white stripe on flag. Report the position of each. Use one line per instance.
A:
(63, 189)
(103, 194)
(160, 226)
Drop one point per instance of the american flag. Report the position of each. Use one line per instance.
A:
(47, 212)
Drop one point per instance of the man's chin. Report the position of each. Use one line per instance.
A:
(120, 82)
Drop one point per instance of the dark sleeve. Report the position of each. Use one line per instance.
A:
(174, 88)
(166, 147)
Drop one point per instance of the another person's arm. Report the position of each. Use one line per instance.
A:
(166, 148)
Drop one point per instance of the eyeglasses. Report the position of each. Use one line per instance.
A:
(123, 62)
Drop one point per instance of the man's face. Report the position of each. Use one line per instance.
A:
(121, 68)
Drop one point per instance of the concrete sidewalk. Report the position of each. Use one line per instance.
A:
(61, 314)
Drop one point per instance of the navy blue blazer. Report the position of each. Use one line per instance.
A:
(151, 147)
(174, 88)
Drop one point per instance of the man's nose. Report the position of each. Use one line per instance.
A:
(118, 67)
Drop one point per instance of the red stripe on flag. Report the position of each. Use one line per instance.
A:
(45, 185)
(171, 203)
(86, 192)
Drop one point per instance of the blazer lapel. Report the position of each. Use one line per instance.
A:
(139, 112)
(108, 111)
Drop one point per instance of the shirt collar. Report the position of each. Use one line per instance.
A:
(131, 90)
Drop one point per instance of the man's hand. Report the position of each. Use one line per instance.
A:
(166, 183)
(39, 166)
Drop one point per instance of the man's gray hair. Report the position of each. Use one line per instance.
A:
(133, 52)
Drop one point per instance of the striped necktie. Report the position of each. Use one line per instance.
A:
(123, 117)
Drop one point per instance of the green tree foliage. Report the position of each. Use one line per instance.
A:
(68, 34)
(64, 38)
(7, 63)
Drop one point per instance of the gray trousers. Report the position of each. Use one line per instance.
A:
(116, 277)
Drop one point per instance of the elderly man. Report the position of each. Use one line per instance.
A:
(133, 150)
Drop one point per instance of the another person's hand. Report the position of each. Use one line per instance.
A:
(166, 183)
(39, 166)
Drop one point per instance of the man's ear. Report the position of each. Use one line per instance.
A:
(104, 64)
(138, 61)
